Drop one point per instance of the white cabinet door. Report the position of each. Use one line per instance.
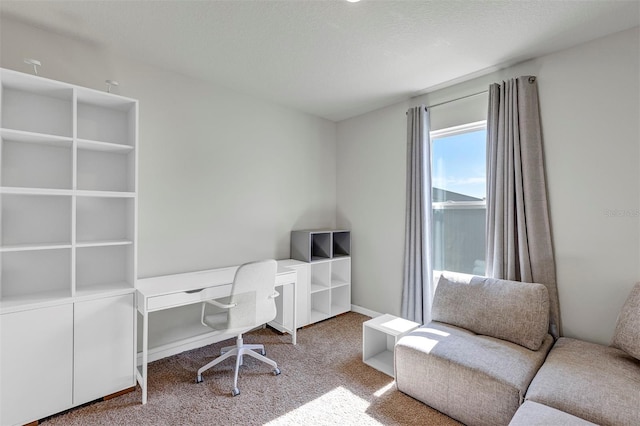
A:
(103, 347)
(35, 363)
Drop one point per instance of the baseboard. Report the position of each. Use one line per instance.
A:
(117, 394)
(365, 311)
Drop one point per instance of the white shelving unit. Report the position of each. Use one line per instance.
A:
(379, 337)
(328, 289)
(68, 208)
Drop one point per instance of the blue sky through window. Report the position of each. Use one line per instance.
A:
(459, 163)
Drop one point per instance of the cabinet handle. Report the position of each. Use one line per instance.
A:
(194, 291)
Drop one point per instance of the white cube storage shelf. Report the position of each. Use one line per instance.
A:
(68, 202)
(313, 245)
(328, 280)
(379, 337)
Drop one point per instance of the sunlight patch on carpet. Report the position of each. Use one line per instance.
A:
(338, 406)
(384, 389)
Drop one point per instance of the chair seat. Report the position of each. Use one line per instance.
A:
(219, 324)
(216, 321)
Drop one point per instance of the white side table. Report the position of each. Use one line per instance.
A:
(379, 336)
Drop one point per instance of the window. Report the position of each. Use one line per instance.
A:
(458, 179)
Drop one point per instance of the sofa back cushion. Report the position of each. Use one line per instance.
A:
(509, 310)
(627, 333)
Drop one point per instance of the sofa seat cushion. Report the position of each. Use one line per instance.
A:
(533, 414)
(598, 383)
(508, 310)
(475, 379)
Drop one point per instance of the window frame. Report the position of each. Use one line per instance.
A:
(444, 205)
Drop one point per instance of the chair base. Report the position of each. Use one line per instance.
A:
(239, 350)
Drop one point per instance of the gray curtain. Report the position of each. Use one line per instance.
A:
(417, 286)
(519, 244)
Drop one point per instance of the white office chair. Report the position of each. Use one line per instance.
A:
(251, 304)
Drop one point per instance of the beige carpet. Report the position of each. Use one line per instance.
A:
(323, 382)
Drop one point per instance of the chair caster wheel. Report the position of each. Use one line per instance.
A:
(276, 372)
(235, 392)
(199, 379)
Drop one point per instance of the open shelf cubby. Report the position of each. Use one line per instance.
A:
(103, 121)
(100, 170)
(35, 220)
(104, 219)
(320, 276)
(40, 108)
(104, 267)
(320, 306)
(379, 336)
(340, 272)
(341, 243)
(34, 161)
(22, 282)
(340, 300)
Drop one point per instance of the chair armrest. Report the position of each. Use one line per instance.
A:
(221, 305)
(214, 303)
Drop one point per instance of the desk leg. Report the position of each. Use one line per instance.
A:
(145, 355)
(295, 319)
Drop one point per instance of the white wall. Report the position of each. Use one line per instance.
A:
(590, 107)
(223, 177)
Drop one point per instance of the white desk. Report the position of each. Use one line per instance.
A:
(170, 291)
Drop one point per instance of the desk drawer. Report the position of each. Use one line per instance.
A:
(172, 300)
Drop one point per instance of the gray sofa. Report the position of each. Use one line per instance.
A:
(474, 362)
(590, 382)
(486, 359)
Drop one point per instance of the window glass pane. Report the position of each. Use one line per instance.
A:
(459, 240)
(459, 167)
(459, 210)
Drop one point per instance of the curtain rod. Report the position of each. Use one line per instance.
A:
(456, 99)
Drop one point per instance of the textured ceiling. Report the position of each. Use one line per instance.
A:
(333, 59)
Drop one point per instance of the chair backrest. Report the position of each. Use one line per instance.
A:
(253, 289)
